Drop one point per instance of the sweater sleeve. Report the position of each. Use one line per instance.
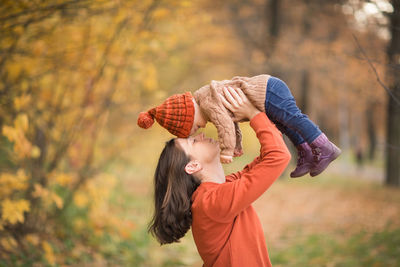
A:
(227, 200)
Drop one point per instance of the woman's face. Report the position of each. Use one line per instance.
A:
(200, 148)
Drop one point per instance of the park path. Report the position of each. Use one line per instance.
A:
(297, 209)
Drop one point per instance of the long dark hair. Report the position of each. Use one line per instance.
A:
(173, 191)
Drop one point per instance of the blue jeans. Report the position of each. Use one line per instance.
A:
(281, 109)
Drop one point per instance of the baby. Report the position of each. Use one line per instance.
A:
(183, 114)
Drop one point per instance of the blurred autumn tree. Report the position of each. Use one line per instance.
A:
(73, 75)
(386, 19)
(63, 66)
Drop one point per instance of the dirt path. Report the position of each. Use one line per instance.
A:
(298, 208)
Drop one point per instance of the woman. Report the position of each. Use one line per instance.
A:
(191, 189)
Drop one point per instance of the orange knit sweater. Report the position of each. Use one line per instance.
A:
(225, 226)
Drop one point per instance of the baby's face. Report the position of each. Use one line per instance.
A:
(199, 120)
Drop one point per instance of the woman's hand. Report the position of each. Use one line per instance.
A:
(237, 102)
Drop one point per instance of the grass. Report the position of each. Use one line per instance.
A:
(362, 249)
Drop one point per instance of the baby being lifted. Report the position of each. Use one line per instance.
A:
(183, 114)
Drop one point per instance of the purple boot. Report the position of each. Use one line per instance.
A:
(324, 153)
(305, 161)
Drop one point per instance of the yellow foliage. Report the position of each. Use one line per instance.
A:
(49, 253)
(19, 29)
(62, 179)
(100, 187)
(12, 182)
(24, 86)
(22, 102)
(97, 191)
(46, 95)
(38, 47)
(13, 210)
(14, 69)
(47, 196)
(56, 134)
(10, 133)
(57, 200)
(35, 152)
(40, 191)
(8, 243)
(33, 239)
(22, 147)
(80, 199)
(161, 13)
(150, 78)
(186, 3)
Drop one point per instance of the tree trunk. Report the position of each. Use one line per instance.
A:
(371, 130)
(305, 88)
(272, 16)
(393, 111)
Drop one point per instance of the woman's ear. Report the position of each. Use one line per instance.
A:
(193, 166)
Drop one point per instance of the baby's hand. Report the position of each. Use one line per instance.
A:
(226, 159)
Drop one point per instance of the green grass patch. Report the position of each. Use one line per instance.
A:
(362, 249)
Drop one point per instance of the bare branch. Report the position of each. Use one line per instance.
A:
(376, 73)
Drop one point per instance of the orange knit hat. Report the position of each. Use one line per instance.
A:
(176, 115)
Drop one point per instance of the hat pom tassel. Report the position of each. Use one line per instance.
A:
(145, 120)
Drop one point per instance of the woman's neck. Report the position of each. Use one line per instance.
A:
(212, 173)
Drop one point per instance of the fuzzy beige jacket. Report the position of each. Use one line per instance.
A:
(229, 134)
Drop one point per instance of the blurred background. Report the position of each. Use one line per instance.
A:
(76, 172)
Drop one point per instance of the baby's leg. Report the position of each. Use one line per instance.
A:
(280, 106)
(305, 156)
(294, 137)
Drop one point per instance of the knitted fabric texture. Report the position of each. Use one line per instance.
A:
(176, 115)
(207, 98)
